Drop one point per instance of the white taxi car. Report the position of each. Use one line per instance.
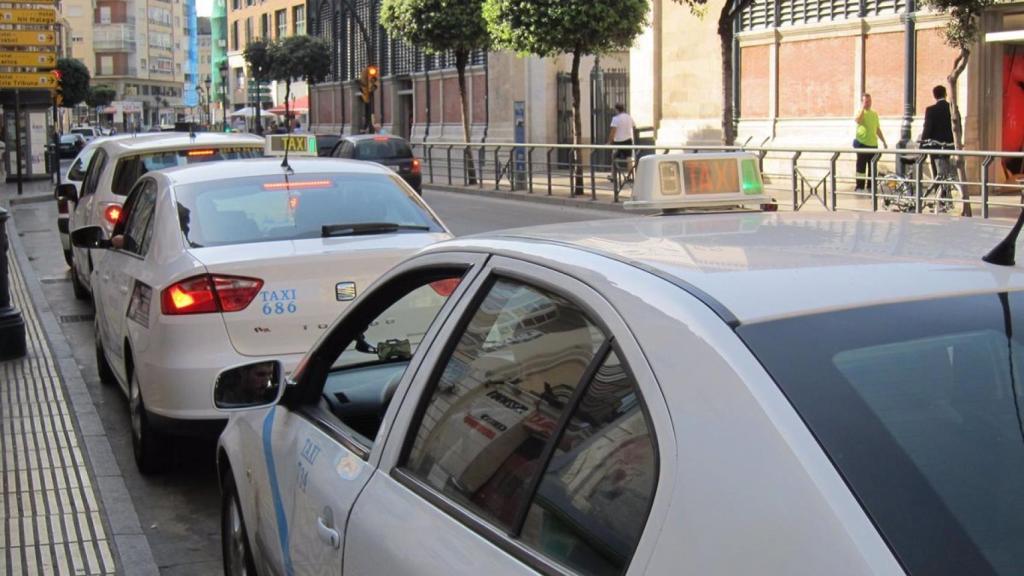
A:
(723, 393)
(218, 264)
(115, 166)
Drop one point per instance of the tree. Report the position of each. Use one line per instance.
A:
(100, 95)
(961, 34)
(577, 27)
(74, 81)
(730, 10)
(429, 24)
(257, 55)
(299, 58)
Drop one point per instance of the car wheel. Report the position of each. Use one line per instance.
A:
(146, 442)
(102, 366)
(233, 537)
(76, 285)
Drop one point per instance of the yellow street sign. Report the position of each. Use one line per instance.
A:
(9, 38)
(43, 80)
(28, 59)
(28, 16)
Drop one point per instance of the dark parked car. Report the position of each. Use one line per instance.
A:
(325, 143)
(70, 145)
(391, 151)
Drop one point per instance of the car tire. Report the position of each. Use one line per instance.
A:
(103, 369)
(76, 285)
(233, 536)
(147, 444)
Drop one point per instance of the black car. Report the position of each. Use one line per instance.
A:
(325, 144)
(391, 151)
(70, 145)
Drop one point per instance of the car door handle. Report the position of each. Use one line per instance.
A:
(327, 534)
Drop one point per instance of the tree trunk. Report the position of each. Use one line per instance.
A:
(959, 65)
(725, 36)
(577, 126)
(287, 110)
(461, 60)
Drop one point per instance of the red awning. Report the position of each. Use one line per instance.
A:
(298, 106)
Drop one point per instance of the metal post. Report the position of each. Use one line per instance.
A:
(529, 170)
(548, 163)
(12, 325)
(56, 143)
(832, 173)
(917, 186)
(448, 160)
(793, 179)
(17, 135)
(497, 168)
(593, 183)
(430, 161)
(909, 77)
(873, 174)
(984, 185)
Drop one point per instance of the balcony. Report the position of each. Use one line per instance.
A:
(113, 38)
(127, 71)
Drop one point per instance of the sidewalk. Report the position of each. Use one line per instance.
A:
(65, 507)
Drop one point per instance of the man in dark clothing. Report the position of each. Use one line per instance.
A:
(938, 127)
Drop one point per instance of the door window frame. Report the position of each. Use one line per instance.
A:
(93, 173)
(301, 397)
(618, 339)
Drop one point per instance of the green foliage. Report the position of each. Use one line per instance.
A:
(551, 27)
(437, 25)
(300, 58)
(257, 56)
(101, 95)
(74, 81)
(962, 29)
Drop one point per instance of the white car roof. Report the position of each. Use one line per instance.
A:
(208, 171)
(753, 267)
(158, 141)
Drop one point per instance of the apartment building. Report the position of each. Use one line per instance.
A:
(248, 20)
(144, 49)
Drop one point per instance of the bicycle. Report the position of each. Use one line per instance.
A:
(943, 194)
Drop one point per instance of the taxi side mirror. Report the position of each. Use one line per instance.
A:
(67, 192)
(90, 237)
(255, 385)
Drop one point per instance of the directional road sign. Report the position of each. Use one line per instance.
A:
(27, 80)
(10, 38)
(28, 16)
(28, 59)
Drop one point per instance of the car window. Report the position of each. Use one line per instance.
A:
(494, 409)
(99, 162)
(344, 150)
(592, 502)
(77, 171)
(131, 168)
(272, 208)
(382, 148)
(360, 368)
(139, 217)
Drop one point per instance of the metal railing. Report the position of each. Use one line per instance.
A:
(795, 177)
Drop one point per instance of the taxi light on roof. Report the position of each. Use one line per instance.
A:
(686, 180)
(292, 144)
(300, 185)
(193, 153)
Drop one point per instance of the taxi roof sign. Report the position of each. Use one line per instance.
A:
(688, 180)
(292, 144)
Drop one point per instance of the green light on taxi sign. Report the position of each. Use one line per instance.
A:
(751, 178)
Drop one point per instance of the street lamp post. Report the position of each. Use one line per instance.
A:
(209, 100)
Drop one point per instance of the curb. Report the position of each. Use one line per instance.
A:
(134, 556)
(584, 202)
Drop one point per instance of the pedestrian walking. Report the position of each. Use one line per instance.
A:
(621, 135)
(938, 130)
(868, 134)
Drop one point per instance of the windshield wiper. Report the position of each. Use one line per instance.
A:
(359, 229)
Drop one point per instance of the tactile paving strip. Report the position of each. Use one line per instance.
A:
(49, 517)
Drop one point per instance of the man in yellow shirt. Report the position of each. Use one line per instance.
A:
(868, 134)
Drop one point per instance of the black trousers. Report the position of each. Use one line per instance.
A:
(863, 161)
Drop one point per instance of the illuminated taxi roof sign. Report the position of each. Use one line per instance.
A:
(689, 180)
(293, 144)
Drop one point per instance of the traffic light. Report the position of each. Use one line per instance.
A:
(58, 91)
(369, 81)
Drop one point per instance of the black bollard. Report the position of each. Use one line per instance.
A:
(12, 325)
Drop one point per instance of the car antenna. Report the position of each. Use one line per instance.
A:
(1004, 252)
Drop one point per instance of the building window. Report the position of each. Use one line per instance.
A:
(106, 65)
(104, 14)
(248, 30)
(235, 4)
(281, 18)
(299, 20)
(234, 35)
(265, 26)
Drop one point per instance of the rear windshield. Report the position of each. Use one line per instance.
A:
(270, 208)
(382, 149)
(919, 406)
(130, 168)
(83, 131)
(68, 139)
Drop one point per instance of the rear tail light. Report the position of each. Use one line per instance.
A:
(445, 288)
(112, 213)
(209, 293)
(415, 165)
